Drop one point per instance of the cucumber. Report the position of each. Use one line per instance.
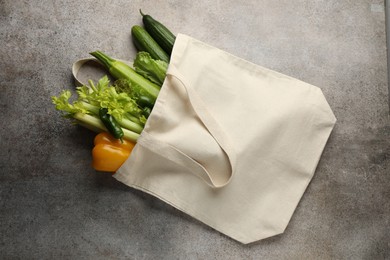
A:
(144, 42)
(161, 34)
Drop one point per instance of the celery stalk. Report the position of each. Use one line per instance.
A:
(130, 125)
(91, 108)
(96, 125)
(126, 123)
(85, 109)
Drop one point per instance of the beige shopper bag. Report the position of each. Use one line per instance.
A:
(230, 143)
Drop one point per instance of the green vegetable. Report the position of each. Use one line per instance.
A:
(146, 111)
(85, 109)
(125, 86)
(144, 102)
(154, 70)
(110, 123)
(120, 70)
(144, 42)
(95, 124)
(164, 37)
(120, 105)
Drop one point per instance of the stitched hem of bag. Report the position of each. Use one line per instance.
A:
(201, 217)
(321, 146)
(122, 176)
(158, 110)
(254, 67)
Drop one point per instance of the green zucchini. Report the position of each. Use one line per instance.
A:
(161, 34)
(144, 42)
(120, 70)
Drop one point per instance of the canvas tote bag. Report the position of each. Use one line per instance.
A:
(230, 143)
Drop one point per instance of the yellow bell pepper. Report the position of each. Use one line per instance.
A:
(109, 153)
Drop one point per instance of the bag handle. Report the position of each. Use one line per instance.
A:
(174, 154)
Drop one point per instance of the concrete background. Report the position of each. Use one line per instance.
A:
(55, 206)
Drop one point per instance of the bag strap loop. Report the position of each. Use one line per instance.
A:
(174, 154)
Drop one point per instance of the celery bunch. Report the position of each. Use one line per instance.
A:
(85, 109)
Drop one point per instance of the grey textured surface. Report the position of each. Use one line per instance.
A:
(55, 206)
